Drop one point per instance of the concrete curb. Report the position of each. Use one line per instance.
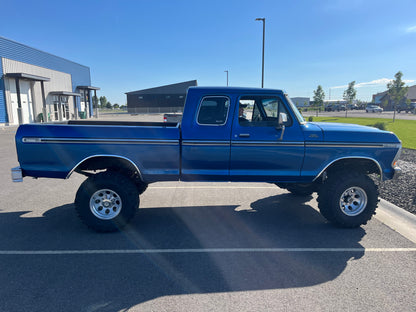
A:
(397, 219)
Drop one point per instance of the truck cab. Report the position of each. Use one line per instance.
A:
(220, 144)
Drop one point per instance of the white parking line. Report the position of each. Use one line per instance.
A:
(196, 250)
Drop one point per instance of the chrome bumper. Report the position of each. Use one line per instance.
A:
(397, 172)
(17, 175)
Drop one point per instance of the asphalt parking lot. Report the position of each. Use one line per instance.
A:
(194, 247)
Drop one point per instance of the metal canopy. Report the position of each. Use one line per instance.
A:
(27, 76)
(88, 88)
(65, 93)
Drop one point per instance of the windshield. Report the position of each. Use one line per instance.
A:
(295, 110)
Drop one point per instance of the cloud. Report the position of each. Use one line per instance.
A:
(411, 29)
(377, 82)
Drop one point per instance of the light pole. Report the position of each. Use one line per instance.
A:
(262, 62)
(226, 71)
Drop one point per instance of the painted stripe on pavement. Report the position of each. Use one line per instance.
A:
(207, 250)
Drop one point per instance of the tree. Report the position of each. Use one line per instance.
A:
(95, 101)
(408, 104)
(116, 106)
(397, 91)
(319, 96)
(349, 95)
(385, 103)
(109, 106)
(103, 102)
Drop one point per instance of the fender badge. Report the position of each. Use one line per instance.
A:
(315, 136)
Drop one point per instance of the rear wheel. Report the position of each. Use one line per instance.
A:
(348, 199)
(107, 201)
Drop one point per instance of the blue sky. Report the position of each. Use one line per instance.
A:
(133, 45)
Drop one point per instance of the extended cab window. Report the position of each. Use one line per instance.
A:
(261, 111)
(213, 110)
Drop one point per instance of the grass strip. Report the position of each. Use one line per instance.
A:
(404, 129)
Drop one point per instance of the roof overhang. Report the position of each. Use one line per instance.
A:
(26, 76)
(64, 93)
(88, 88)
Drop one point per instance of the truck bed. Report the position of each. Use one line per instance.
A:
(55, 150)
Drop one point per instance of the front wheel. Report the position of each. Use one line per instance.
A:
(107, 201)
(348, 199)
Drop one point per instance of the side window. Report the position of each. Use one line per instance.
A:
(213, 110)
(261, 111)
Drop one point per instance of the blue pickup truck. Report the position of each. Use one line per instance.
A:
(226, 134)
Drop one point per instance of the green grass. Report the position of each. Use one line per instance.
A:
(404, 129)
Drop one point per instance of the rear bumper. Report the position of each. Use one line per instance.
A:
(17, 174)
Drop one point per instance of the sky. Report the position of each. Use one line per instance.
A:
(134, 45)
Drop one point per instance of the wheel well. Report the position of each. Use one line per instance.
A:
(363, 165)
(108, 163)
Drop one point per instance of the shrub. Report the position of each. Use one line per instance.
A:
(380, 125)
(310, 118)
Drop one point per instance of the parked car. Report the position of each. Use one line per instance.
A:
(335, 108)
(407, 108)
(339, 107)
(352, 106)
(172, 117)
(373, 109)
(329, 108)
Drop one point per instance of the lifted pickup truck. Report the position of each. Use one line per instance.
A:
(226, 134)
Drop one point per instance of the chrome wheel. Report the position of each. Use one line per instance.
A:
(353, 201)
(105, 204)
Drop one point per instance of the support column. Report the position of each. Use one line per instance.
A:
(44, 113)
(96, 105)
(75, 107)
(19, 101)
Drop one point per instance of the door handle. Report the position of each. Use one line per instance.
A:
(244, 135)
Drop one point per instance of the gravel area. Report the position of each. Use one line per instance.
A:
(402, 192)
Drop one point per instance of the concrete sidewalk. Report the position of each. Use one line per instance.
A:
(397, 219)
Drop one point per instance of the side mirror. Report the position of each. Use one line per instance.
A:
(282, 120)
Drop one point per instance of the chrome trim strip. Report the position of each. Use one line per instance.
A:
(240, 143)
(65, 124)
(352, 157)
(103, 155)
(205, 143)
(337, 144)
(265, 143)
(100, 141)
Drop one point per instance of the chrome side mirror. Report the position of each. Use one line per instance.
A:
(282, 120)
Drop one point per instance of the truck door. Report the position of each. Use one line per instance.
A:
(259, 151)
(206, 141)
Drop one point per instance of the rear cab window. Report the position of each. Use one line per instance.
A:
(213, 111)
